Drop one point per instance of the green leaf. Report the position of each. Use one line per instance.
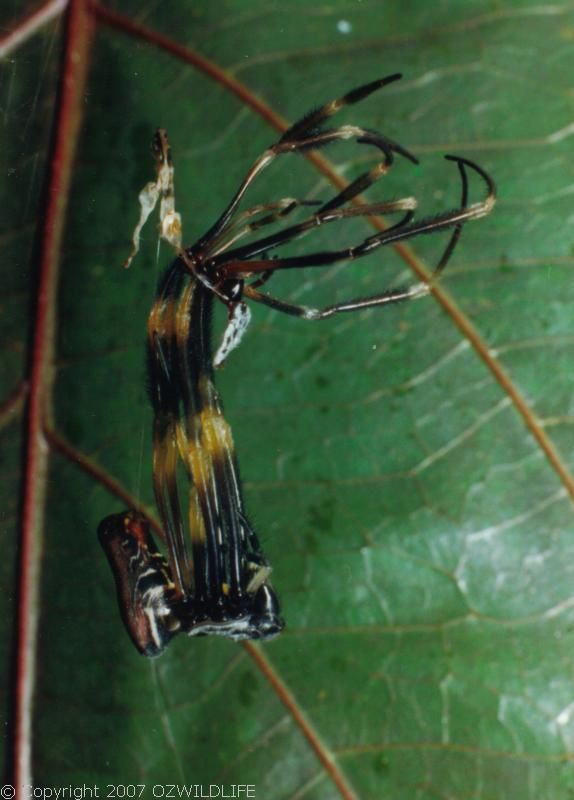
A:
(408, 469)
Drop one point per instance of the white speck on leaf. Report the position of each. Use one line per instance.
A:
(344, 26)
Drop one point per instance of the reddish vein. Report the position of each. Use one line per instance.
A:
(76, 47)
(163, 42)
(99, 474)
(13, 405)
(462, 322)
(290, 703)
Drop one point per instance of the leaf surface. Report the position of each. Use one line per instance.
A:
(417, 516)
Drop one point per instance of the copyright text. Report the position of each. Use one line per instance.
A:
(133, 791)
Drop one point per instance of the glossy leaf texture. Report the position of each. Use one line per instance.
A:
(418, 517)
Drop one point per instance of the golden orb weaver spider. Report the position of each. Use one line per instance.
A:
(219, 583)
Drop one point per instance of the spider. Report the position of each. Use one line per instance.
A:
(220, 583)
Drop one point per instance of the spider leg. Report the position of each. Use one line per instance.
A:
(314, 119)
(312, 122)
(167, 443)
(397, 233)
(454, 218)
(374, 209)
(360, 184)
(344, 133)
(241, 227)
(356, 187)
(263, 278)
(305, 312)
(168, 433)
(458, 229)
(305, 135)
(321, 217)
